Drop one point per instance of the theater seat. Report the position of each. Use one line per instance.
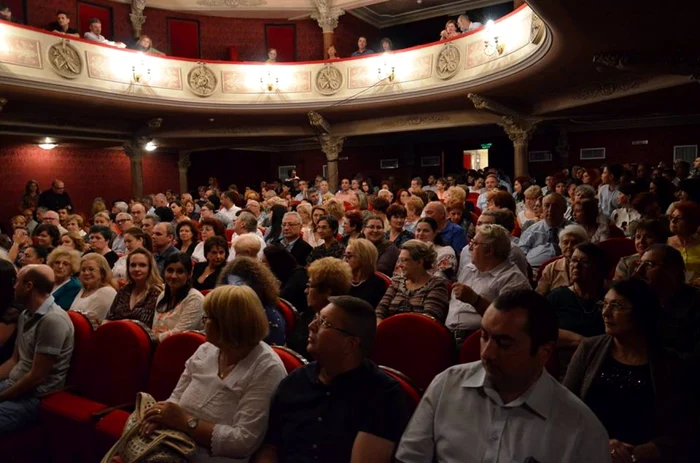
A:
(386, 278)
(118, 364)
(615, 249)
(410, 389)
(289, 312)
(229, 235)
(291, 359)
(167, 367)
(205, 292)
(416, 345)
(540, 271)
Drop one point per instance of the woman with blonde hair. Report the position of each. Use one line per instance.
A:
(312, 237)
(528, 211)
(137, 300)
(414, 208)
(65, 262)
(98, 287)
(361, 255)
(455, 194)
(73, 241)
(336, 209)
(223, 397)
(307, 224)
(75, 224)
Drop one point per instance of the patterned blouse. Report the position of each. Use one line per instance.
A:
(432, 299)
(187, 315)
(336, 249)
(143, 310)
(400, 239)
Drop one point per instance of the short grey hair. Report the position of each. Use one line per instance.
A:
(246, 242)
(420, 250)
(122, 206)
(248, 220)
(125, 215)
(587, 190)
(497, 237)
(504, 217)
(154, 218)
(576, 231)
(292, 214)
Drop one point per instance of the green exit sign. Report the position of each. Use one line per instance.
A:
(485, 146)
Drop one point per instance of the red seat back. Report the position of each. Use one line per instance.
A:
(120, 357)
(410, 389)
(205, 292)
(84, 330)
(540, 271)
(615, 249)
(169, 362)
(387, 280)
(229, 234)
(289, 312)
(291, 359)
(416, 345)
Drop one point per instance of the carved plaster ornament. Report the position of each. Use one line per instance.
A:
(331, 146)
(326, 15)
(329, 80)
(136, 16)
(537, 29)
(65, 59)
(607, 89)
(202, 80)
(231, 3)
(448, 60)
(184, 161)
(519, 131)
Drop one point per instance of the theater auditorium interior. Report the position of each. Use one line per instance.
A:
(349, 231)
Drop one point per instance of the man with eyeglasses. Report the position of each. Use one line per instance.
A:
(663, 268)
(56, 198)
(124, 222)
(341, 407)
(52, 218)
(291, 238)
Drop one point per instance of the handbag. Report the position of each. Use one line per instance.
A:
(163, 446)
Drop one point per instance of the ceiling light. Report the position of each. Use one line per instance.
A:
(150, 146)
(48, 144)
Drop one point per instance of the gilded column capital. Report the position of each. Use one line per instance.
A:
(326, 15)
(331, 146)
(134, 150)
(519, 131)
(136, 16)
(184, 162)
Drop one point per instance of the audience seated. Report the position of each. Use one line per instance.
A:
(291, 275)
(145, 45)
(478, 283)
(362, 49)
(450, 30)
(56, 198)
(65, 264)
(518, 335)
(291, 237)
(98, 287)
(187, 237)
(73, 241)
(62, 25)
(490, 185)
(415, 290)
(353, 223)
(163, 238)
(137, 299)
(247, 224)
(179, 306)
(396, 214)
(9, 310)
(446, 260)
(387, 253)
(47, 236)
(587, 215)
(206, 274)
(527, 215)
(540, 242)
(340, 407)
(34, 255)
(95, 34)
(556, 274)
(637, 389)
(647, 232)
(222, 398)
(685, 220)
(133, 238)
(450, 233)
(100, 237)
(6, 14)
(244, 271)
(208, 227)
(608, 193)
(124, 222)
(246, 245)
(625, 214)
(361, 255)
(327, 229)
(467, 25)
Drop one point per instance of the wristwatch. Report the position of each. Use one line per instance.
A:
(192, 423)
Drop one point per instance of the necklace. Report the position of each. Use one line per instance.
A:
(223, 372)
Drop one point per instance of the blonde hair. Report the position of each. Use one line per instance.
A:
(335, 208)
(238, 314)
(103, 214)
(533, 192)
(304, 211)
(419, 250)
(331, 274)
(63, 251)
(78, 219)
(455, 194)
(497, 237)
(367, 254)
(105, 270)
(414, 202)
(327, 197)
(246, 242)
(153, 280)
(77, 240)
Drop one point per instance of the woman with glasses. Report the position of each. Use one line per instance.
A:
(65, 263)
(361, 255)
(222, 399)
(556, 274)
(327, 229)
(387, 252)
(685, 220)
(415, 290)
(98, 287)
(635, 388)
(576, 303)
(646, 233)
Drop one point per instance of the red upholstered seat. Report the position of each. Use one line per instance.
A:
(229, 234)
(205, 292)
(84, 329)
(472, 197)
(540, 271)
(289, 312)
(615, 249)
(291, 359)
(416, 345)
(386, 278)
(410, 389)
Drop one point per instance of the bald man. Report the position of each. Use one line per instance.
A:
(52, 218)
(450, 233)
(247, 245)
(56, 198)
(42, 352)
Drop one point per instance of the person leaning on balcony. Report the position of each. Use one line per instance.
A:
(466, 25)
(95, 34)
(145, 44)
(6, 14)
(62, 25)
(362, 49)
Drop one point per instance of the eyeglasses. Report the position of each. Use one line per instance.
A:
(474, 243)
(647, 264)
(122, 220)
(615, 307)
(676, 218)
(287, 224)
(348, 256)
(325, 324)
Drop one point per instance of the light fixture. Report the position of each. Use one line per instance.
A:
(269, 81)
(491, 45)
(140, 71)
(386, 70)
(150, 146)
(48, 144)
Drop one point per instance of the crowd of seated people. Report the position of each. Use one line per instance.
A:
(617, 314)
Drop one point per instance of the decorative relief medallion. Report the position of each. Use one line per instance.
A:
(414, 121)
(231, 3)
(202, 80)
(329, 80)
(65, 60)
(448, 60)
(536, 29)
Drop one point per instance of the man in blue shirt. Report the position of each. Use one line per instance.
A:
(362, 49)
(450, 233)
(540, 242)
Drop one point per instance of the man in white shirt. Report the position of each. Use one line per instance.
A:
(52, 218)
(124, 222)
(431, 184)
(303, 189)
(491, 183)
(228, 208)
(95, 34)
(540, 242)
(608, 192)
(506, 407)
(466, 25)
(345, 194)
(478, 283)
(246, 223)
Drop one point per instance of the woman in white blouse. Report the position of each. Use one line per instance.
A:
(133, 238)
(179, 307)
(223, 397)
(98, 287)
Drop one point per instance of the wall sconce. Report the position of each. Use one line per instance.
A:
(48, 144)
(492, 46)
(140, 72)
(386, 70)
(269, 81)
(150, 146)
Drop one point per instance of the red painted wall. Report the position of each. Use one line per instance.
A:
(217, 33)
(87, 174)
